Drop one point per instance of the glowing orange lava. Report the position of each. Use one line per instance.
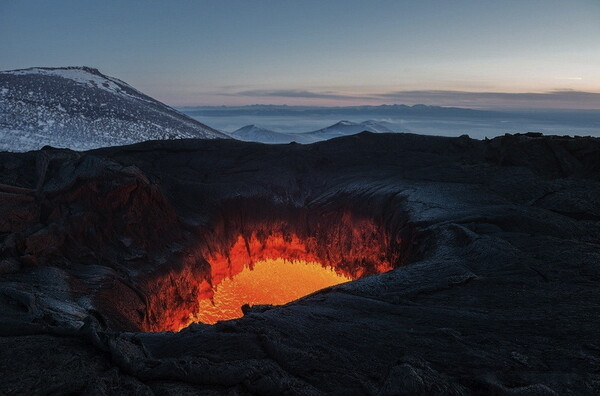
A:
(270, 281)
(269, 265)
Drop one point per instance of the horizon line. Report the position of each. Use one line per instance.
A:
(482, 109)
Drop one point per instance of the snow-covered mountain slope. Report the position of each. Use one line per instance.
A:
(253, 133)
(81, 108)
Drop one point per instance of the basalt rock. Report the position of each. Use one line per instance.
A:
(477, 266)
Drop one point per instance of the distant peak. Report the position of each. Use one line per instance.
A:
(345, 122)
(251, 127)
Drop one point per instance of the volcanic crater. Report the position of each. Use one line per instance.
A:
(344, 238)
(454, 266)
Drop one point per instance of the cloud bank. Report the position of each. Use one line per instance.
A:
(556, 99)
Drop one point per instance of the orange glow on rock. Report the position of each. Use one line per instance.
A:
(276, 269)
(270, 281)
(245, 267)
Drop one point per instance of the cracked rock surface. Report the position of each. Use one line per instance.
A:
(495, 291)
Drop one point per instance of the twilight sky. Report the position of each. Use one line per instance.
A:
(469, 53)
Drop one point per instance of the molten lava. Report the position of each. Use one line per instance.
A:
(277, 268)
(275, 263)
(270, 281)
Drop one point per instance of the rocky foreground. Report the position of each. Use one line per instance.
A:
(495, 245)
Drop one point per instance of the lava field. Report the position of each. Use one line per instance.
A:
(451, 266)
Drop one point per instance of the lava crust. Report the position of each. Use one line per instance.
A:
(476, 263)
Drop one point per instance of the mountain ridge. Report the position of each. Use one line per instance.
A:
(381, 110)
(345, 128)
(254, 133)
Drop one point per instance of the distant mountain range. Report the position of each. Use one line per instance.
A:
(344, 128)
(577, 118)
(254, 133)
(81, 108)
(382, 110)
